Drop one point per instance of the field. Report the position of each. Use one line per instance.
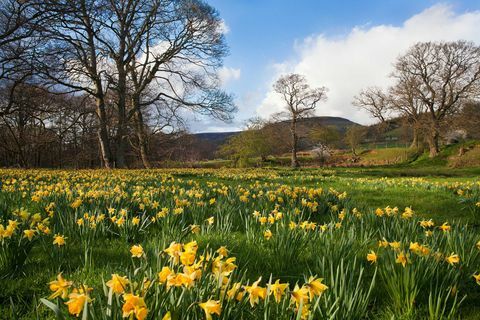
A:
(382, 243)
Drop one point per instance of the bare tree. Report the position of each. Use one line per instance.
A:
(354, 137)
(443, 76)
(405, 104)
(179, 52)
(74, 59)
(375, 101)
(300, 102)
(20, 34)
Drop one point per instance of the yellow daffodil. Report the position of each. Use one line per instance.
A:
(211, 307)
(134, 305)
(118, 283)
(164, 274)
(315, 287)
(477, 278)
(29, 234)
(194, 228)
(235, 292)
(222, 251)
(59, 240)
(77, 302)
(300, 295)
(372, 257)
(402, 259)
(210, 221)
(453, 259)
(59, 287)
(135, 221)
(268, 234)
(278, 290)
(136, 251)
(255, 292)
(445, 227)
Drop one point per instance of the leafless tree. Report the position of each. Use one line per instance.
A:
(405, 104)
(180, 48)
(300, 102)
(375, 101)
(74, 60)
(443, 75)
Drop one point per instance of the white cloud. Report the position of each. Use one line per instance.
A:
(223, 27)
(364, 57)
(228, 74)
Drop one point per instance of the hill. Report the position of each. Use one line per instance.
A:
(216, 139)
(340, 123)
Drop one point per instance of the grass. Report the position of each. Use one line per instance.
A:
(431, 192)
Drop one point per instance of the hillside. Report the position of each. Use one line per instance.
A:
(216, 139)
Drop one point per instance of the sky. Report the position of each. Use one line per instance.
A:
(343, 45)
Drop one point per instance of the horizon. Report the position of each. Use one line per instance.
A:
(263, 46)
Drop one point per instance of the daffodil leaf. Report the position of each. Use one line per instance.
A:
(53, 307)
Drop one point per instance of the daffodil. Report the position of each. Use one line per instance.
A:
(235, 292)
(278, 290)
(477, 278)
(136, 251)
(453, 259)
(164, 274)
(315, 287)
(222, 251)
(210, 220)
(372, 257)
(29, 234)
(211, 307)
(118, 283)
(134, 305)
(255, 292)
(59, 240)
(445, 227)
(77, 302)
(59, 287)
(300, 295)
(268, 234)
(402, 259)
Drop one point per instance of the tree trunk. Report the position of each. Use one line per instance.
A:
(103, 138)
(141, 135)
(122, 115)
(293, 130)
(414, 144)
(433, 142)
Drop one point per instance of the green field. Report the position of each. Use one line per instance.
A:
(279, 224)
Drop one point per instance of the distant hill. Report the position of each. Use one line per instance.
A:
(215, 139)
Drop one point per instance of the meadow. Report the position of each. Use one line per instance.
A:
(240, 244)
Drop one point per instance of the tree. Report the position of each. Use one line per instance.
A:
(354, 137)
(255, 141)
(20, 34)
(175, 61)
(133, 57)
(327, 136)
(300, 102)
(442, 76)
(468, 119)
(375, 101)
(405, 104)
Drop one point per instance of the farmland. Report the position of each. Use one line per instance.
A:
(239, 243)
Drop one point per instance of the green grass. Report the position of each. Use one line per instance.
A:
(422, 188)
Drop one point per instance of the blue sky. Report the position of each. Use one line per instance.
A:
(268, 37)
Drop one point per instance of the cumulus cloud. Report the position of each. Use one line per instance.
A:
(227, 74)
(364, 57)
